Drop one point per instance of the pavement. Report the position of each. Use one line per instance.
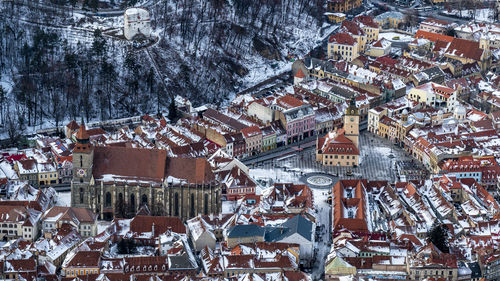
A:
(378, 158)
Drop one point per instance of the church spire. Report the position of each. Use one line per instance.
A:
(352, 109)
(82, 136)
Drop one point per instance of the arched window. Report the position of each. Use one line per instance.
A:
(81, 195)
(132, 201)
(205, 205)
(191, 204)
(108, 199)
(217, 202)
(176, 204)
(120, 198)
(81, 161)
(144, 200)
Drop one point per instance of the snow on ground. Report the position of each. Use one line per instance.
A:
(229, 207)
(276, 175)
(384, 150)
(395, 37)
(483, 15)
(323, 242)
(322, 212)
(102, 225)
(64, 199)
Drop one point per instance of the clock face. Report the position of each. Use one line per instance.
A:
(81, 173)
(352, 119)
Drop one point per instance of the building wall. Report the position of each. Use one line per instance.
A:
(346, 52)
(254, 144)
(263, 113)
(205, 240)
(344, 160)
(47, 178)
(232, 242)
(73, 272)
(424, 272)
(136, 23)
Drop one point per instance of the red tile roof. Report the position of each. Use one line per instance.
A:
(433, 36)
(338, 145)
(162, 224)
(84, 259)
(252, 131)
(288, 101)
(342, 38)
(72, 125)
(366, 20)
(300, 74)
(129, 163)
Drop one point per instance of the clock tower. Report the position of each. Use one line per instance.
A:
(351, 122)
(83, 156)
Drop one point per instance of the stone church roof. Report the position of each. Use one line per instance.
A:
(147, 166)
(125, 163)
(192, 170)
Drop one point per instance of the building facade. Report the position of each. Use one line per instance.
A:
(117, 181)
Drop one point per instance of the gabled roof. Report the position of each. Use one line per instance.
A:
(111, 162)
(84, 259)
(248, 230)
(72, 125)
(337, 144)
(434, 37)
(300, 74)
(161, 224)
(342, 38)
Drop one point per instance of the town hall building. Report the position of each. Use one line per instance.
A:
(341, 147)
(116, 181)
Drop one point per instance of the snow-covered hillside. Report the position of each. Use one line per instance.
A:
(55, 66)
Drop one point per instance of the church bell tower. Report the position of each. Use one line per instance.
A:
(351, 122)
(83, 155)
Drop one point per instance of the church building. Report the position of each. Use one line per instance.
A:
(341, 147)
(116, 181)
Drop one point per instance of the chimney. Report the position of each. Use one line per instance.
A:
(153, 229)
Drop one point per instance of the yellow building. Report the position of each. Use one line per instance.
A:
(369, 26)
(343, 5)
(384, 126)
(433, 94)
(390, 19)
(344, 46)
(379, 49)
(341, 148)
(338, 267)
(81, 263)
(335, 17)
(47, 174)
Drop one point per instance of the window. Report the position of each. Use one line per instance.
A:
(81, 161)
(81, 195)
(176, 204)
(205, 205)
(132, 201)
(108, 199)
(191, 214)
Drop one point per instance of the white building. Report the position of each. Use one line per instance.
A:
(137, 21)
